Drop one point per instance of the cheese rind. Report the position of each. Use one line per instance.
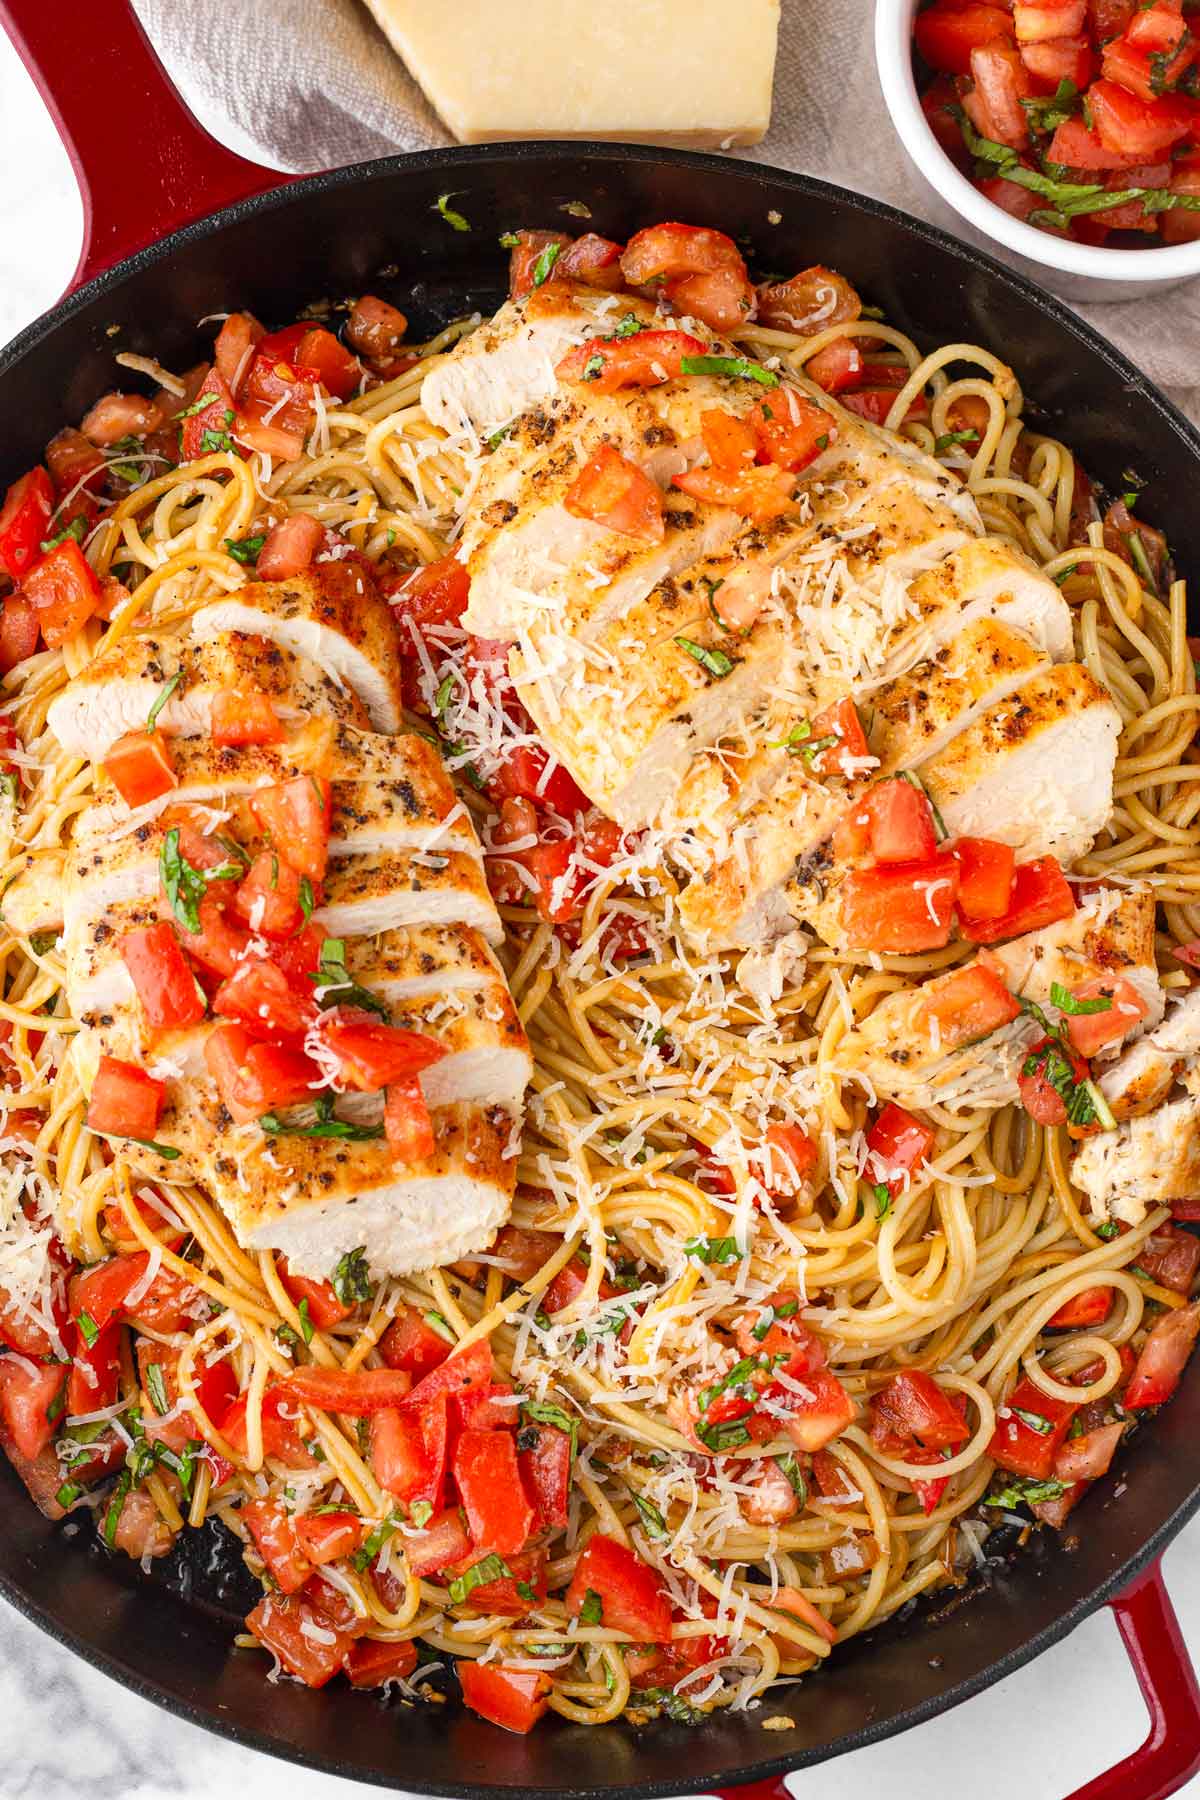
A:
(632, 70)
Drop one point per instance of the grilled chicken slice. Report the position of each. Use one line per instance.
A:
(900, 1049)
(115, 694)
(425, 961)
(1143, 1075)
(1036, 771)
(332, 616)
(1148, 1161)
(33, 898)
(407, 888)
(315, 1199)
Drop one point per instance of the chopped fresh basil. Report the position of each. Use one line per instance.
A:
(790, 1466)
(68, 1494)
(914, 780)
(9, 785)
(950, 438)
(128, 471)
(40, 942)
(650, 1516)
(337, 987)
(527, 1593)
(544, 1412)
(212, 442)
(1048, 111)
(509, 240)
(1025, 1491)
(246, 550)
(713, 662)
(365, 1555)
(454, 219)
(735, 367)
(116, 1505)
(156, 1387)
(199, 405)
(545, 263)
(727, 1436)
(77, 530)
(1108, 1231)
(306, 898)
(1137, 550)
(677, 1709)
(89, 1331)
(1066, 1002)
(883, 1200)
(770, 1314)
(306, 1324)
(184, 885)
(713, 1250)
(351, 1280)
(593, 368)
(441, 699)
(592, 1610)
(439, 1323)
(1067, 199)
(168, 1152)
(165, 693)
(490, 1568)
(1036, 1421)
(498, 437)
(420, 1512)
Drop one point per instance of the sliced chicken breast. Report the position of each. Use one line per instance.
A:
(115, 694)
(333, 616)
(1147, 1161)
(1111, 933)
(33, 899)
(425, 961)
(403, 889)
(1036, 771)
(1143, 1075)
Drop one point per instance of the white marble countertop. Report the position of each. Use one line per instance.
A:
(67, 1732)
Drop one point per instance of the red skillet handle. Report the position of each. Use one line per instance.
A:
(1170, 1755)
(143, 164)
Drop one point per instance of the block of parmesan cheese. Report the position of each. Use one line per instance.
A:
(663, 71)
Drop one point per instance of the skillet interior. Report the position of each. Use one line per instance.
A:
(168, 1636)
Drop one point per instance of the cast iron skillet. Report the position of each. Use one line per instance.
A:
(148, 170)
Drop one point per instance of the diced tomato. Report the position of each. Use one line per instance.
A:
(840, 721)
(371, 1055)
(490, 1408)
(280, 1435)
(1030, 1449)
(1056, 60)
(527, 258)
(810, 301)
(214, 1383)
(374, 1661)
(339, 372)
(1077, 146)
(522, 775)
(632, 1598)
(564, 869)
(20, 629)
(29, 1393)
(358, 1392)
(1091, 1307)
(100, 1291)
(288, 549)
(207, 431)
(253, 1077)
(469, 1368)
(1001, 83)
(140, 768)
(644, 359)
(902, 828)
(545, 1465)
(275, 1540)
(313, 1657)
(268, 898)
(875, 403)
(912, 1405)
(899, 1145)
(900, 907)
(965, 1005)
(410, 1343)
(436, 596)
(328, 1536)
(759, 494)
(514, 1699)
(1147, 74)
(1108, 18)
(947, 32)
(1138, 127)
(63, 590)
(840, 364)
(791, 1157)
(244, 716)
(407, 1122)
(792, 431)
(282, 386)
(1038, 20)
(125, 1101)
(731, 443)
(1089, 1031)
(165, 984)
(594, 260)
(499, 1514)
(443, 1542)
(238, 335)
(702, 271)
(1040, 895)
(1089, 1456)
(20, 1331)
(985, 877)
(1170, 1256)
(299, 956)
(219, 944)
(613, 492)
(375, 328)
(259, 996)
(1177, 227)
(295, 814)
(25, 521)
(1040, 1098)
(324, 1307)
(1158, 27)
(819, 1415)
(1163, 1357)
(409, 1451)
(504, 1596)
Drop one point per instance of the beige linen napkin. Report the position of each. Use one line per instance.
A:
(313, 84)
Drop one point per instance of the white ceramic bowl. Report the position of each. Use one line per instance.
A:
(1077, 271)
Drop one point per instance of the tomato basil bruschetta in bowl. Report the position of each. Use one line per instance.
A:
(1064, 135)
